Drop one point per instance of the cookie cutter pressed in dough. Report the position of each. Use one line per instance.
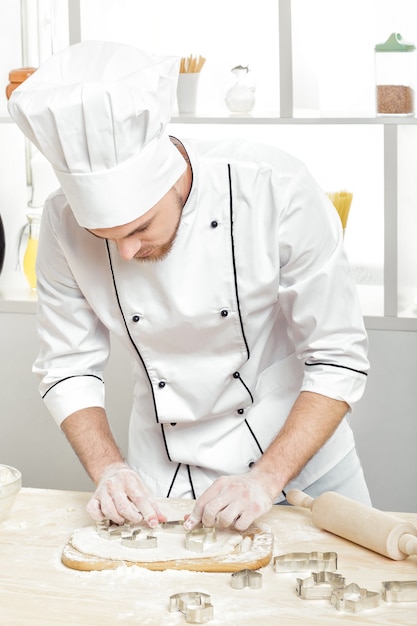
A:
(197, 538)
(129, 536)
(319, 585)
(173, 526)
(353, 599)
(246, 578)
(139, 539)
(108, 530)
(195, 605)
(400, 591)
(306, 561)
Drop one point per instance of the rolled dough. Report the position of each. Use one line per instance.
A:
(171, 546)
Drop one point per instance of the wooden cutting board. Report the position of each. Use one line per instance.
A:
(259, 555)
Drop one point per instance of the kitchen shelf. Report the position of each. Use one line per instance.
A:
(271, 118)
(18, 301)
(385, 299)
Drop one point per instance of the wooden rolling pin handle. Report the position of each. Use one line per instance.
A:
(368, 527)
(299, 498)
(408, 544)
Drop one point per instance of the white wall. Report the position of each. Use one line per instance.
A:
(29, 438)
(385, 420)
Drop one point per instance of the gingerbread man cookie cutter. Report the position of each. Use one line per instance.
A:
(195, 605)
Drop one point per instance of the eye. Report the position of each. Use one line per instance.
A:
(141, 229)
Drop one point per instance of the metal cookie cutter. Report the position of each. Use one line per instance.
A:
(319, 585)
(108, 530)
(174, 526)
(195, 605)
(197, 539)
(246, 578)
(400, 591)
(306, 561)
(354, 599)
(140, 540)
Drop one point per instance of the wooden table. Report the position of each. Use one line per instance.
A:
(37, 589)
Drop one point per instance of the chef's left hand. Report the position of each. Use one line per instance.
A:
(231, 501)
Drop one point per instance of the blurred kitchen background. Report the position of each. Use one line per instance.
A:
(312, 63)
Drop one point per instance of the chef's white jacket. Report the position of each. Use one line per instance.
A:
(254, 303)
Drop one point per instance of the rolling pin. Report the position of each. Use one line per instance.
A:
(368, 527)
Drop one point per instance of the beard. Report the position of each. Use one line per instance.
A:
(158, 253)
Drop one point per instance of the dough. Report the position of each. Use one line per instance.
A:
(171, 546)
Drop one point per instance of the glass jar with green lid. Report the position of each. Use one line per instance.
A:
(395, 70)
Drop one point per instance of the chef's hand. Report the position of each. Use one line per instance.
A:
(121, 496)
(231, 501)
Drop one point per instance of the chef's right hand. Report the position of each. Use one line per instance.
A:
(121, 496)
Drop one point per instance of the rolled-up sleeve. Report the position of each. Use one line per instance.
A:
(73, 343)
(318, 295)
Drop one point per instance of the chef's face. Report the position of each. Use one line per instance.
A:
(151, 236)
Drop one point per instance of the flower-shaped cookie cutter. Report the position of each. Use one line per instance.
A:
(306, 561)
(319, 585)
(353, 599)
(246, 578)
(400, 591)
(195, 605)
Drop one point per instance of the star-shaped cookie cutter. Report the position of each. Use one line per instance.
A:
(305, 561)
(129, 536)
(400, 591)
(195, 605)
(246, 578)
(353, 599)
(319, 585)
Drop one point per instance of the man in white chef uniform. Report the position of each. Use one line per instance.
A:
(220, 265)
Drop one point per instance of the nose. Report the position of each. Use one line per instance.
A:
(128, 248)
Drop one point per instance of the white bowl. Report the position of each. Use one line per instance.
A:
(10, 485)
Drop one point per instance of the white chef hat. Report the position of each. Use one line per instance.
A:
(98, 112)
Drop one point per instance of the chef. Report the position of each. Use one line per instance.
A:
(220, 266)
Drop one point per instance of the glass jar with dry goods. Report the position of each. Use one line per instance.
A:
(17, 77)
(395, 71)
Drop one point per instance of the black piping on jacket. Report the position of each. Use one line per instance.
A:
(232, 248)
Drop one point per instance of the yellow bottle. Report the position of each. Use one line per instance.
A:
(29, 259)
